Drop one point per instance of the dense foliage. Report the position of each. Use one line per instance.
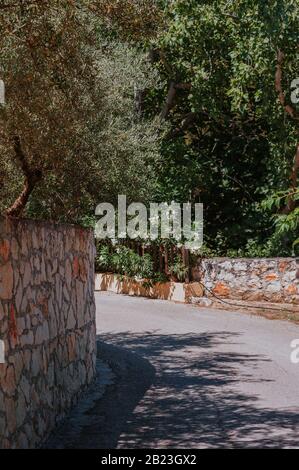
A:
(228, 68)
(69, 133)
(127, 262)
(166, 100)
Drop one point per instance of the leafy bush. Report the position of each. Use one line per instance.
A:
(178, 270)
(286, 224)
(126, 262)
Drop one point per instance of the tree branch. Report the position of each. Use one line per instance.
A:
(185, 124)
(278, 86)
(172, 91)
(166, 64)
(169, 101)
(291, 204)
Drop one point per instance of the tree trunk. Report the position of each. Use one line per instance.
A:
(291, 111)
(32, 177)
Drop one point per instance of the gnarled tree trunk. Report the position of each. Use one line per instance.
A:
(32, 177)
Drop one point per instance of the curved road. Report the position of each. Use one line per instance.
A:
(198, 378)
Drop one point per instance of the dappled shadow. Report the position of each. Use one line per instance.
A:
(194, 401)
(98, 419)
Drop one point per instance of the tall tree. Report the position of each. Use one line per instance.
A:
(68, 135)
(227, 96)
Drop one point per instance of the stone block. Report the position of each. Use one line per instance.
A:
(10, 411)
(6, 281)
(221, 289)
(4, 251)
(194, 289)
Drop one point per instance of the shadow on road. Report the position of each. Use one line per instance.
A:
(193, 401)
(101, 414)
(133, 377)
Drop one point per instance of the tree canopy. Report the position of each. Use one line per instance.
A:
(228, 69)
(69, 137)
(165, 100)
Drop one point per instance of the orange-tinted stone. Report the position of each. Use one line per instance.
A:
(71, 342)
(76, 267)
(13, 329)
(282, 266)
(6, 281)
(43, 305)
(221, 289)
(271, 277)
(4, 250)
(194, 289)
(292, 289)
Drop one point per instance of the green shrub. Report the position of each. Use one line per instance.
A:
(125, 261)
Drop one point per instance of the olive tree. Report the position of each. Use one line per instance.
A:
(69, 137)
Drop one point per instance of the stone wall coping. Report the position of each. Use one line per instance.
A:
(52, 224)
(221, 259)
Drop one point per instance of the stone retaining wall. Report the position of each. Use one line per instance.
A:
(47, 323)
(256, 279)
(173, 291)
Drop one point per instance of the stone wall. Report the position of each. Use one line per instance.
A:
(47, 323)
(257, 279)
(173, 291)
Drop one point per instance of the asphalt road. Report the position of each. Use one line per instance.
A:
(186, 377)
